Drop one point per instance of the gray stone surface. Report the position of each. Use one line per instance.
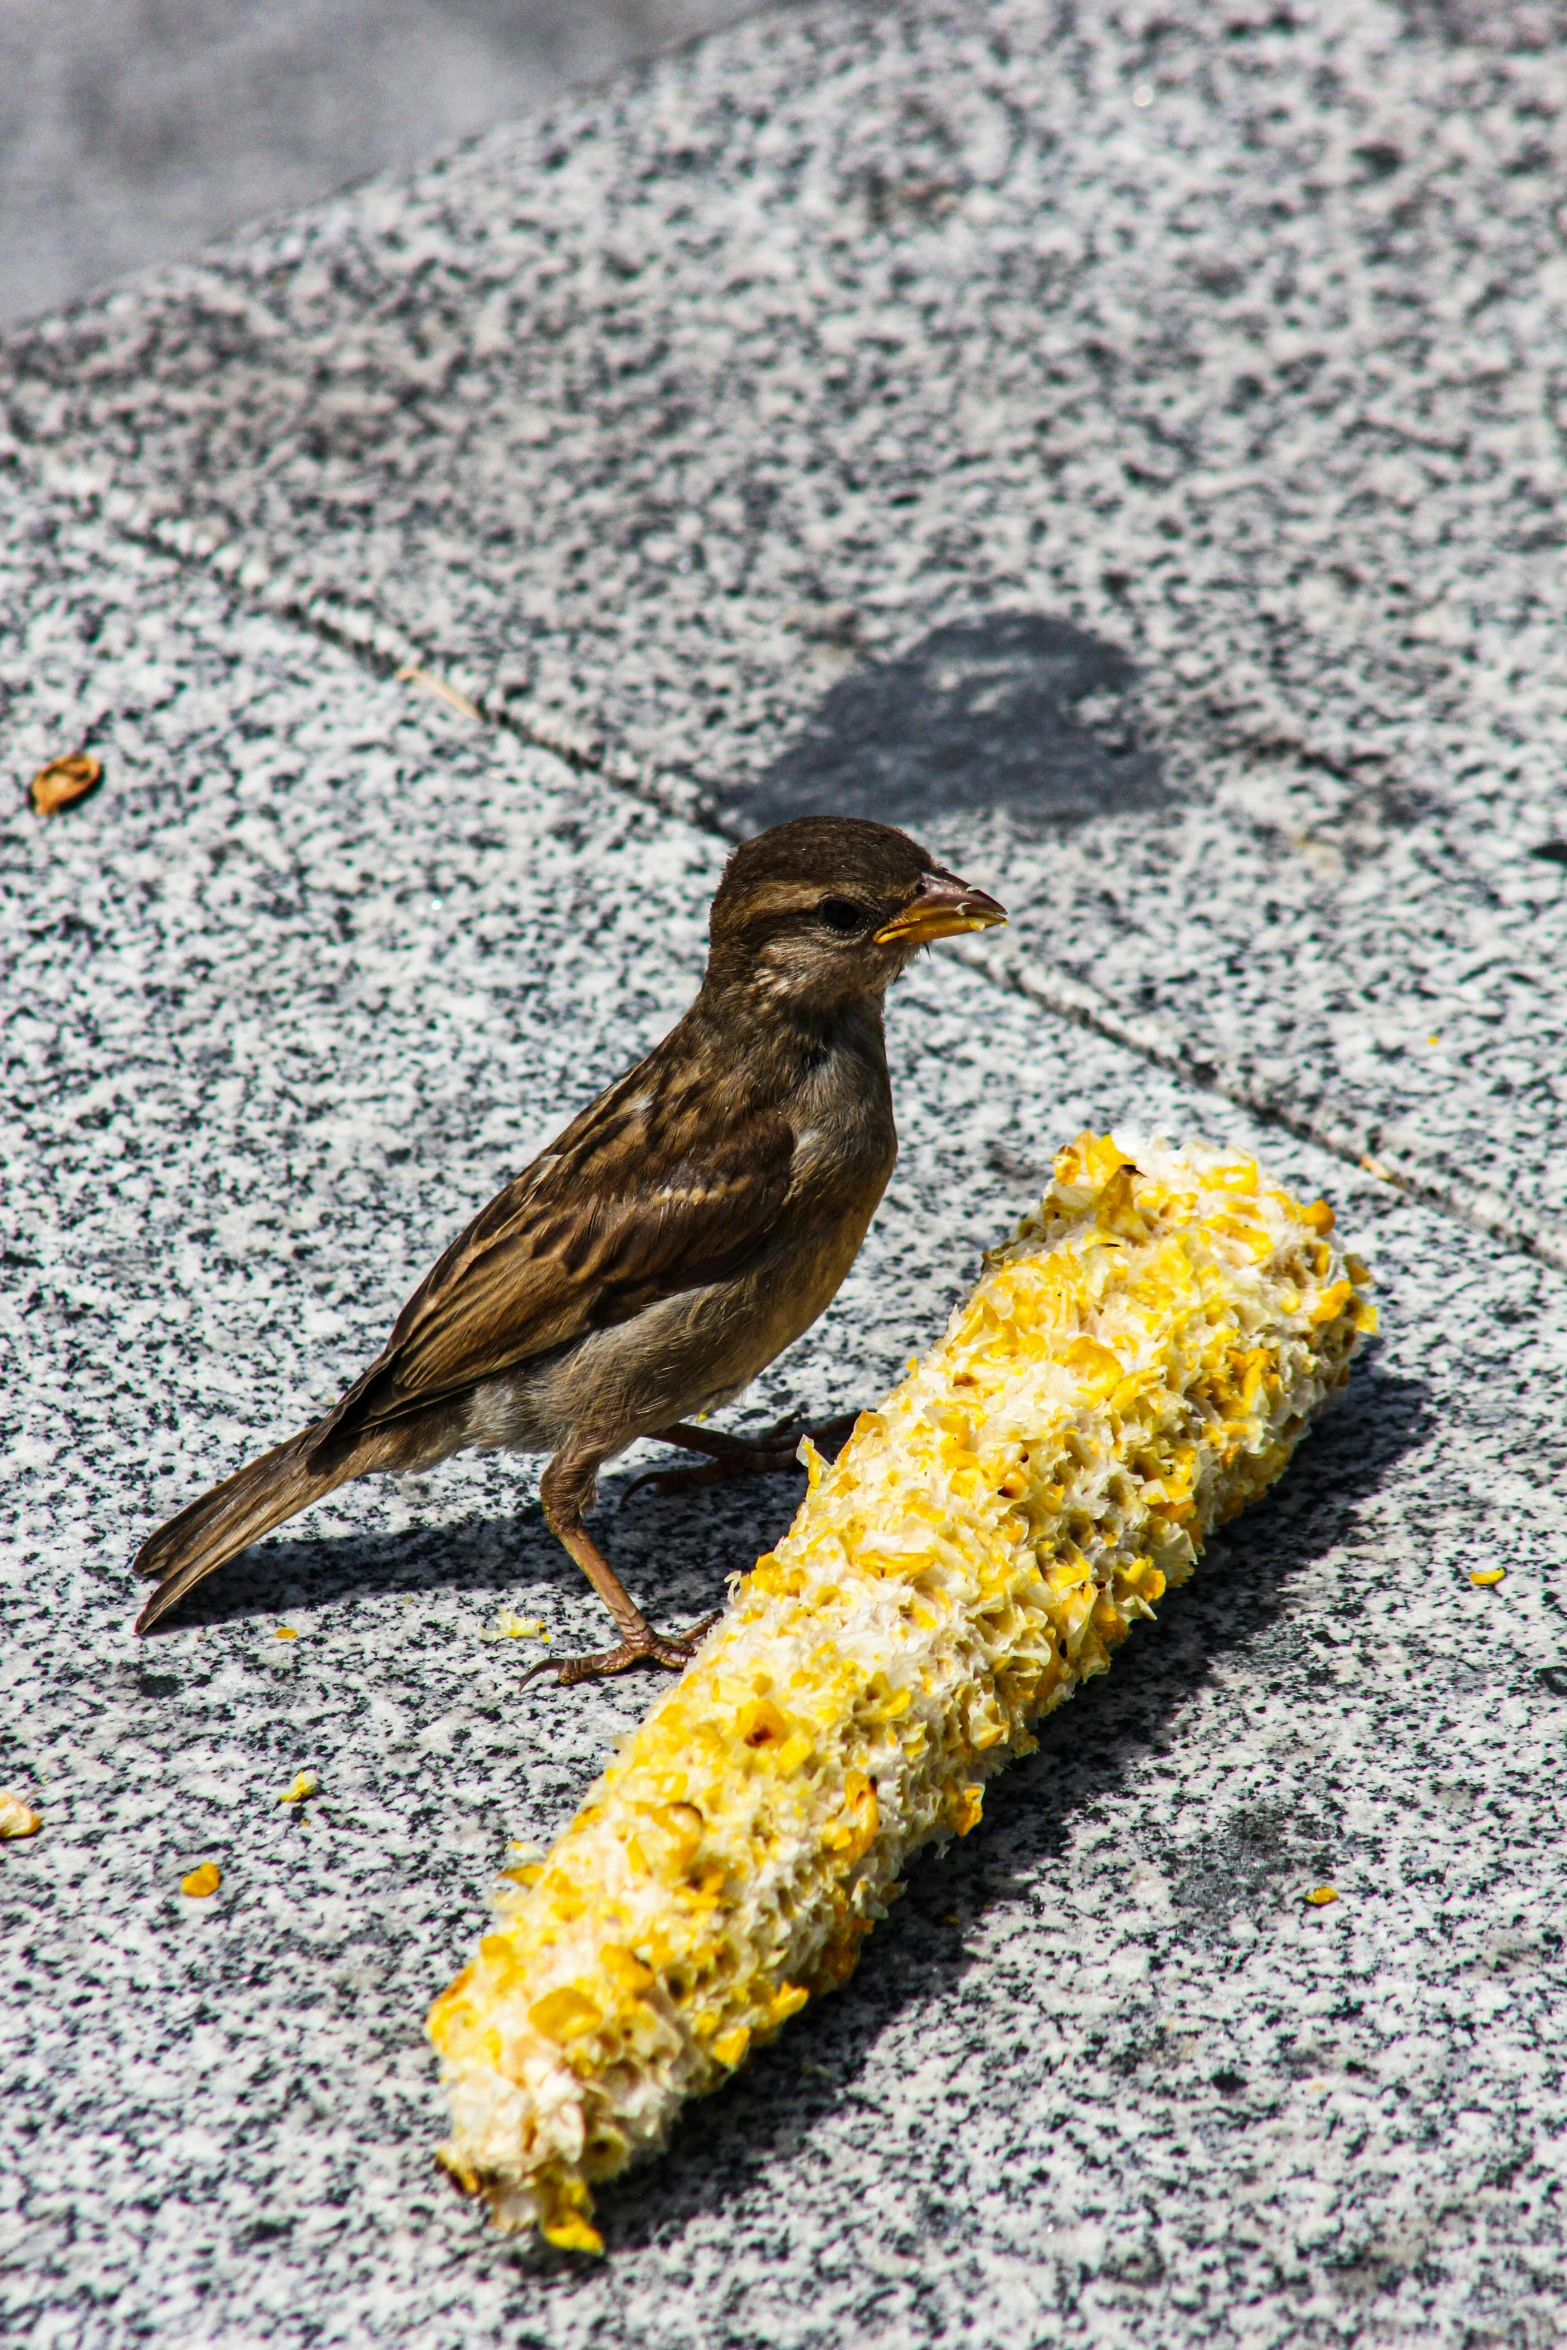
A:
(286, 999)
(322, 961)
(135, 130)
(1229, 343)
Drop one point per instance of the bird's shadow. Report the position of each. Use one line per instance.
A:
(675, 1552)
(1087, 1753)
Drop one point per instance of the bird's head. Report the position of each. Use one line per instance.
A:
(827, 910)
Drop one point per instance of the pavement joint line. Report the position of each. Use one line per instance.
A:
(387, 652)
(1476, 1206)
(354, 629)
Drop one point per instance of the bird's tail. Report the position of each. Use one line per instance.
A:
(232, 1516)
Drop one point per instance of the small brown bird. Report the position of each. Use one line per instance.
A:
(677, 1236)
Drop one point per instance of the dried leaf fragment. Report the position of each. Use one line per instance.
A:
(16, 1817)
(1321, 1895)
(287, 1632)
(1487, 1578)
(63, 782)
(202, 1881)
(304, 1783)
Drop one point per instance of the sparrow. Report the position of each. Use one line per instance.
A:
(682, 1231)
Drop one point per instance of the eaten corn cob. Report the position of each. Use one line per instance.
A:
(1131, 1369)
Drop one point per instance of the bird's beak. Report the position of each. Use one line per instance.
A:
(941, 907)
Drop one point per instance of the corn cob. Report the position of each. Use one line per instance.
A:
(1131, 1369)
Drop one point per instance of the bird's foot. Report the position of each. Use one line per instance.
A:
(742, 1456)
(673, 1651)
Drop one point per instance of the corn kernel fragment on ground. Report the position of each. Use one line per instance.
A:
(1131, 1369)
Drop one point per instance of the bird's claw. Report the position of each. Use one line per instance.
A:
(761, 1461)
(673, 1651)
(827, 1435)
(775, 1449)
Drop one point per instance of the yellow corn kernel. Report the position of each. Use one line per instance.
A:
(965, 1810)
(761, 1724)
(1135, 1365)
(624, 1969)
(572, 2233)
(563, 2217)
(564, 2014)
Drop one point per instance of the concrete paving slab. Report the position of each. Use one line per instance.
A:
(315, 967)
(686, 424)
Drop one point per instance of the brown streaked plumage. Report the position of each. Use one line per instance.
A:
(680, 1233)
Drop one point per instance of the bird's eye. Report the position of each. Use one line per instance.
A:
(842, 915)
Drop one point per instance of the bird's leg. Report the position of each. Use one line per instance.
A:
(776, 1448)
(565, 1490)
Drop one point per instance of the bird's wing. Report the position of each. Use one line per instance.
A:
(640, 1198)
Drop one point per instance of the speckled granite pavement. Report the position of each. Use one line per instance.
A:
(1231, 341)
(323, 960)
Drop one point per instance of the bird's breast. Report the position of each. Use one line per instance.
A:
(845, 1139)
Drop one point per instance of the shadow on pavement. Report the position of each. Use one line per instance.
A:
(674, 1553)
(1012, 711)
